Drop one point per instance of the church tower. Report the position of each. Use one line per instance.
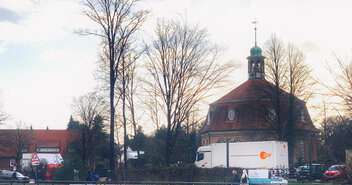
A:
(256, 61)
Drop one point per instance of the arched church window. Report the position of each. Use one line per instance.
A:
(272, 113)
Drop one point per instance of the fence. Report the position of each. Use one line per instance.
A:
(9, 182)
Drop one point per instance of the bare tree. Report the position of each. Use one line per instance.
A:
(183, 67)
(131, 94)
(299, 74)
(118, 21)
(343, 84)
(288, 71)
(276, 69)
(300, 88)
(21, 139)
(127, 92)
(14, 142)
(342, 89)
(3, 117)
(150, 101)
(88, 109)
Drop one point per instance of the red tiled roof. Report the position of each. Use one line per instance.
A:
(54, 138)
(38, 138)
(48, 143)
(251, 89)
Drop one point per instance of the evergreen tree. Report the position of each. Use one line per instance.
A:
(73, 125)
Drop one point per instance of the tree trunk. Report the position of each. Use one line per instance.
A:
(168, 137)
(112, 112)
(135, 128)
(290, 134)
(124, 117)
(278, 112)
(84, 149)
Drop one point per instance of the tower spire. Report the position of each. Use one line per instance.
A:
(255, 31)
(256, 59)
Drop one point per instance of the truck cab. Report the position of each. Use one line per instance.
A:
(203, 159)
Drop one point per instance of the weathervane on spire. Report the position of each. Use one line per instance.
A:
(255, 30)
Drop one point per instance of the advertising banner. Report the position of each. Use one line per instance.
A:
(267, 176)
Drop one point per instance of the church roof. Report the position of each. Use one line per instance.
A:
(254, 89)
(251, 101)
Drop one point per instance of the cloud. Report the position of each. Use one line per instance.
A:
(3, 46)
(56, 55)
(39, 22)
(237, 64)
(9, 15)
(310, 47)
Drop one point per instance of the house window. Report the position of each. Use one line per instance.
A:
(47, 149)
(24, 149)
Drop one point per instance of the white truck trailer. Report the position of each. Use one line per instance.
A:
(248, 155)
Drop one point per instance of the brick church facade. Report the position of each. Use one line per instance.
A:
(247, 113)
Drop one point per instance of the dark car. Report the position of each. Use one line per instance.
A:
(292, 172)
(303, 172)
(8, 175)
(335, 172)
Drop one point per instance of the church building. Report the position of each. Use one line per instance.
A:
(249, 113)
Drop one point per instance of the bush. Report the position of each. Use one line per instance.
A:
(71, 170)
(179, 172)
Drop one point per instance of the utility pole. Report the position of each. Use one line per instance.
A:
(227, 153)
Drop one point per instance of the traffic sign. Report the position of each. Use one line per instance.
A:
(35, 158)
(35, 163)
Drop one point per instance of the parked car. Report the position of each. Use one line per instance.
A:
(292, 172)
(7, 175)
(335, 172)
(303, 172)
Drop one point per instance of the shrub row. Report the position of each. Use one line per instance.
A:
(180, 173)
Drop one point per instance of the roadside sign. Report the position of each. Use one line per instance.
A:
(35, 163)
(35, 157)
(12, 162)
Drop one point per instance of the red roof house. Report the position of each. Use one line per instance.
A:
(15, 142)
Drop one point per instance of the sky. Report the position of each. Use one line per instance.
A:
(44, 64)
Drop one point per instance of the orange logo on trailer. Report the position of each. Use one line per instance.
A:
(264, 155)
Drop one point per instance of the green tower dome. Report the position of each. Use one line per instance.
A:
(256, 51)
